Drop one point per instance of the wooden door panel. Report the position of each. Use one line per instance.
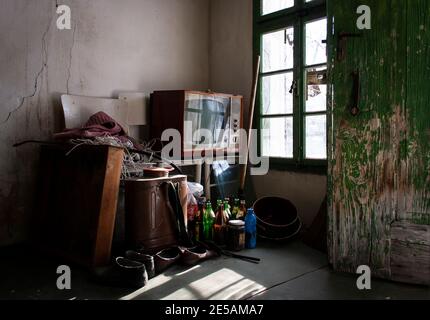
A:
(365, 160)
(379, 160)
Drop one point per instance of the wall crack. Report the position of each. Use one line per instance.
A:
(39, 74)
(69, 73)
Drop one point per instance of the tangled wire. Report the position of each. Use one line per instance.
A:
(133, 163)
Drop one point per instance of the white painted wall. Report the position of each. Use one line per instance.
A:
(231, 47)
(128, 45)
(231, 71)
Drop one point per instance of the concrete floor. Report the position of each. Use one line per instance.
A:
(288, 272)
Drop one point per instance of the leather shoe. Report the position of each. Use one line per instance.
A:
(124, 273)
(192, 256)
(166, 258)
(146, 259)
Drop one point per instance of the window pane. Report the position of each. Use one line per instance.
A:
(316, 133)
(316, 94)
(278, 50)
(276, 96)
(270, 6)
(316, 32)
(277, 137)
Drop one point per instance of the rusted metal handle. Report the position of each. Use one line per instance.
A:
(354, 108)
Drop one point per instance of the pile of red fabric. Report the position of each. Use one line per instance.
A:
(99, 125)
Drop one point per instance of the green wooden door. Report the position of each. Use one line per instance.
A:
(379, 160)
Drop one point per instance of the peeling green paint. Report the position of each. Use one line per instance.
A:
(379, 164)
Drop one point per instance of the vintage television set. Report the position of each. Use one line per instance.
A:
(191, 111)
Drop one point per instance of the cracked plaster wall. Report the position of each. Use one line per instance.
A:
(130, 45)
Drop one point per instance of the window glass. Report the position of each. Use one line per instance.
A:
(316, 32)
(316, 137)
(277, 137)
(278, 50)
(316, 89)
(270, 6)
(276, 96)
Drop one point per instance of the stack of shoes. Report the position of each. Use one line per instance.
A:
(164, 259)
(136, 268)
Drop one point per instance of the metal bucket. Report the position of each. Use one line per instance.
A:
(149, 220)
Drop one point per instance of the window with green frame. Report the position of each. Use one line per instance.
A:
(290, 36)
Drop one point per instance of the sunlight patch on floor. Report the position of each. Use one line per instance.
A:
(156, 282)
(221, 285)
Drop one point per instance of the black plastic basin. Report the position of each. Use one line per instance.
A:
(277, 218)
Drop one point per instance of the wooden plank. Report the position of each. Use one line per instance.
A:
(410, 233)
(109, 202)
(410, 253)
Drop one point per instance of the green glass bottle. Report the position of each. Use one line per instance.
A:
(208, 221)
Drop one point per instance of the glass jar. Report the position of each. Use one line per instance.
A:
(236, 235)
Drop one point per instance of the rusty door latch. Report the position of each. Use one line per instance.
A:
(294, 88)
(355, 104)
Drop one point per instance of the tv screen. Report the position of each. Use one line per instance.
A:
(209, 114)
